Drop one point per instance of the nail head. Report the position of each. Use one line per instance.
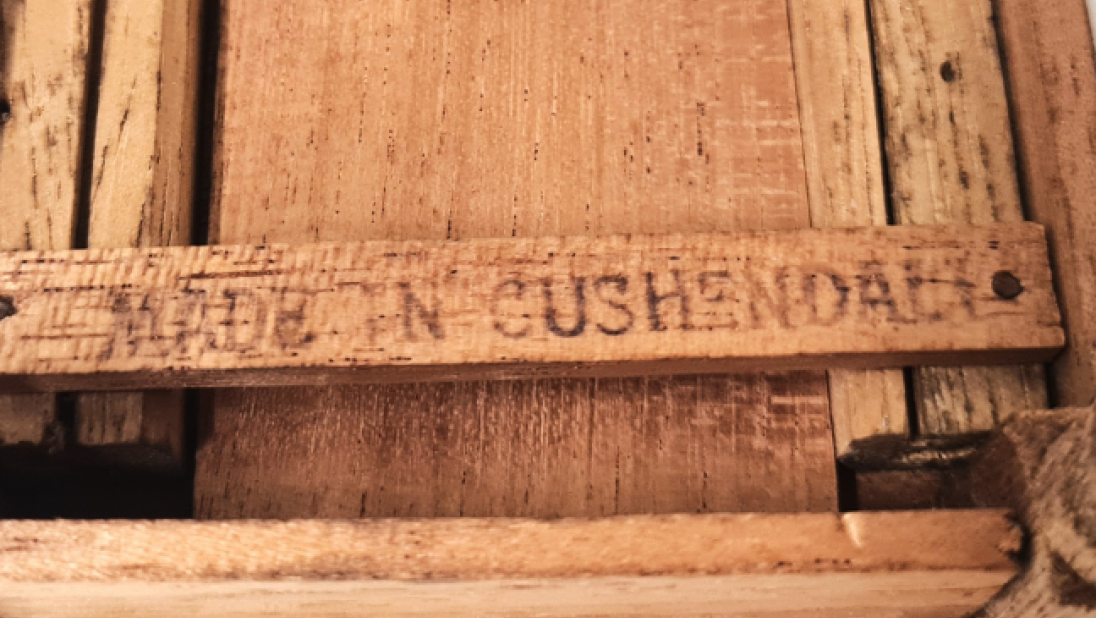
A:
(1006, 285)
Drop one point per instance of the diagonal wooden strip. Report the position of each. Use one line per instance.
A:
(43, 60)
(836, 87)
(949, 152)
(616, 305)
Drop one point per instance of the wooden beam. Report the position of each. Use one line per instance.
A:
(836, 86)
(398, 311)
(42, 84)
(1052, 82)
(942, 563)
(950, 159)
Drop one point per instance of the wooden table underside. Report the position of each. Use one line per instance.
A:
(501, 121)
(336, 124)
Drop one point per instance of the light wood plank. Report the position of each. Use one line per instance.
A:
(142, 179)
(142, 171)
(610, 306)
(421, 120)
(1052, 83)
(950, 157)
(501, 548)
(836, 86)
(885, 564)
(925, 594)
(42, 83)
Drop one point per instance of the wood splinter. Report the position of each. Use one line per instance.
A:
(388, 311)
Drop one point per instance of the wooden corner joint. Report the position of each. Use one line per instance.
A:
(624, 305)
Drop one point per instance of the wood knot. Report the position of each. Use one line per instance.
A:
(1006, 285)
(5, 111)
(7, 307)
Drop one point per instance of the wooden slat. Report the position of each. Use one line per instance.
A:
(142, 179)
(930, 564)
(926, 594)
(950, 157)
(142, 169)
(1052, 83)
(618, 305)
(836, 87)
(501, 548)
(423, 120)
(43, 59)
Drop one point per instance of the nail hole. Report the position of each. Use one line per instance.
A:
(1006, 285)
(7, 307)
(947, 71)
(5, 111)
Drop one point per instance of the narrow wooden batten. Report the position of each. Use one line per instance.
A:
(931, 564)
(414, 310)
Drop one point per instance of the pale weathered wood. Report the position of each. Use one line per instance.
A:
(920, 564)
(1044, 464)
(43, 60)
(836, 87)
(142, 169)
(1052, 83)
(501, 548)
(616, 305)
(142, 179)
(423, 120)
(950, 157)
(924, 594)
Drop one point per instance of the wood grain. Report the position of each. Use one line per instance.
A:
(500, 548)
(837, 109)
(422, 120)
(925, 594)
(608, 306)
(950, 159)
(43, 60)
(142, 169)
(869, 564)
(142, 180)
(557, 448)
(1052, 83)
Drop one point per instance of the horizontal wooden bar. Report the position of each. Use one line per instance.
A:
(387, 311)
(941, 563)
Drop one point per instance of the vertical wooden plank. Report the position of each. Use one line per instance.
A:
(143, 166)
(423, 120)
(142, 178)
(1052, 84)
(837, 110)
(950, 157)
(43, 60)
